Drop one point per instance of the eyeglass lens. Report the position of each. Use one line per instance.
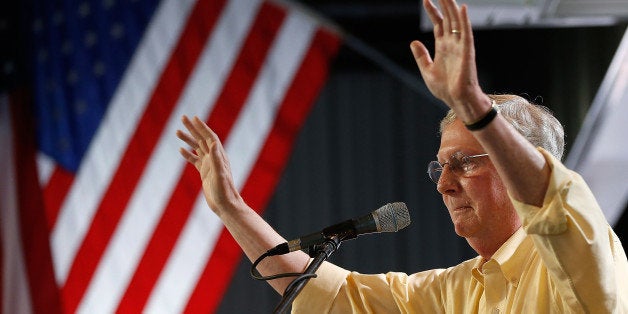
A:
(458, 164)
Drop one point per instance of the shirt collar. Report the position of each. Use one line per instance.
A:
(511, 257)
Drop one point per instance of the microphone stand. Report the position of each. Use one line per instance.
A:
(320, 253)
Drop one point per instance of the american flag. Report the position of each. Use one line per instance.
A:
(124, 226)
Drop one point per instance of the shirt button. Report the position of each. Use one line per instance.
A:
(495, 311)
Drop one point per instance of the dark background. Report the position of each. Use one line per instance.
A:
(373, 130)
(371, 134)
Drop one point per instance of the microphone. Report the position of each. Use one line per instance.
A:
(391, 217)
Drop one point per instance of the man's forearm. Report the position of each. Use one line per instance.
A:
(255, 236)
(520, 165)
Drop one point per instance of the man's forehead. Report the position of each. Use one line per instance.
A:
(456, 138)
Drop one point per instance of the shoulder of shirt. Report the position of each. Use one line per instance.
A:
(462, 269)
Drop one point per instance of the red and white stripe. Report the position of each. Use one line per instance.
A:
(131, 231)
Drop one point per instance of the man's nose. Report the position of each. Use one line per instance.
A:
(448, 181)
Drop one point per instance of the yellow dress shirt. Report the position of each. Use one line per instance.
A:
(564, 259)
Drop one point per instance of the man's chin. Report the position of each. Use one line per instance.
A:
(464, 230)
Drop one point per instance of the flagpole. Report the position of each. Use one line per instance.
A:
(410, 79)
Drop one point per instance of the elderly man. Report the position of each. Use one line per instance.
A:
(542, 241)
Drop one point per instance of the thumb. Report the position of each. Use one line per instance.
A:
(219, 161)
(421, 55)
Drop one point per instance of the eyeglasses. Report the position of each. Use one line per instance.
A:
(459, 163)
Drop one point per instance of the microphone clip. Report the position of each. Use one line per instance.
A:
(321, 253)
(330, 245)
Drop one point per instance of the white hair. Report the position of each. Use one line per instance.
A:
(535, 122)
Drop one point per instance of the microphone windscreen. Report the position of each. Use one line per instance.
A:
(392, 217)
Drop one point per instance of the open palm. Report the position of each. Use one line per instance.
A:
(451, 76)
(208, 156)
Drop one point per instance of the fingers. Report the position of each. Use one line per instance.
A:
(446, 16)
(467, 31)
(192, 129)
(203, 129)
(200, 138)
(187, 139)
(191, 158)
(435, 17)
(199, 131)
(449, 22)
(453, 12)
(207, 136)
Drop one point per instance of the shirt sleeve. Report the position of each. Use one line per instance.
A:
(319, 293)
(336, 290)
(574, 241)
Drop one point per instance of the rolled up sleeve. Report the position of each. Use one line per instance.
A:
(574, 240)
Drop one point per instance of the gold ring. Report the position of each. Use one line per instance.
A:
(455, 31)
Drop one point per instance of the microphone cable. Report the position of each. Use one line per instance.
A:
(256, 275)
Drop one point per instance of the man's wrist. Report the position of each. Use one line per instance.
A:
(484, 120)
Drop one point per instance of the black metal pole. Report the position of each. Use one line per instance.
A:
(321, 253)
